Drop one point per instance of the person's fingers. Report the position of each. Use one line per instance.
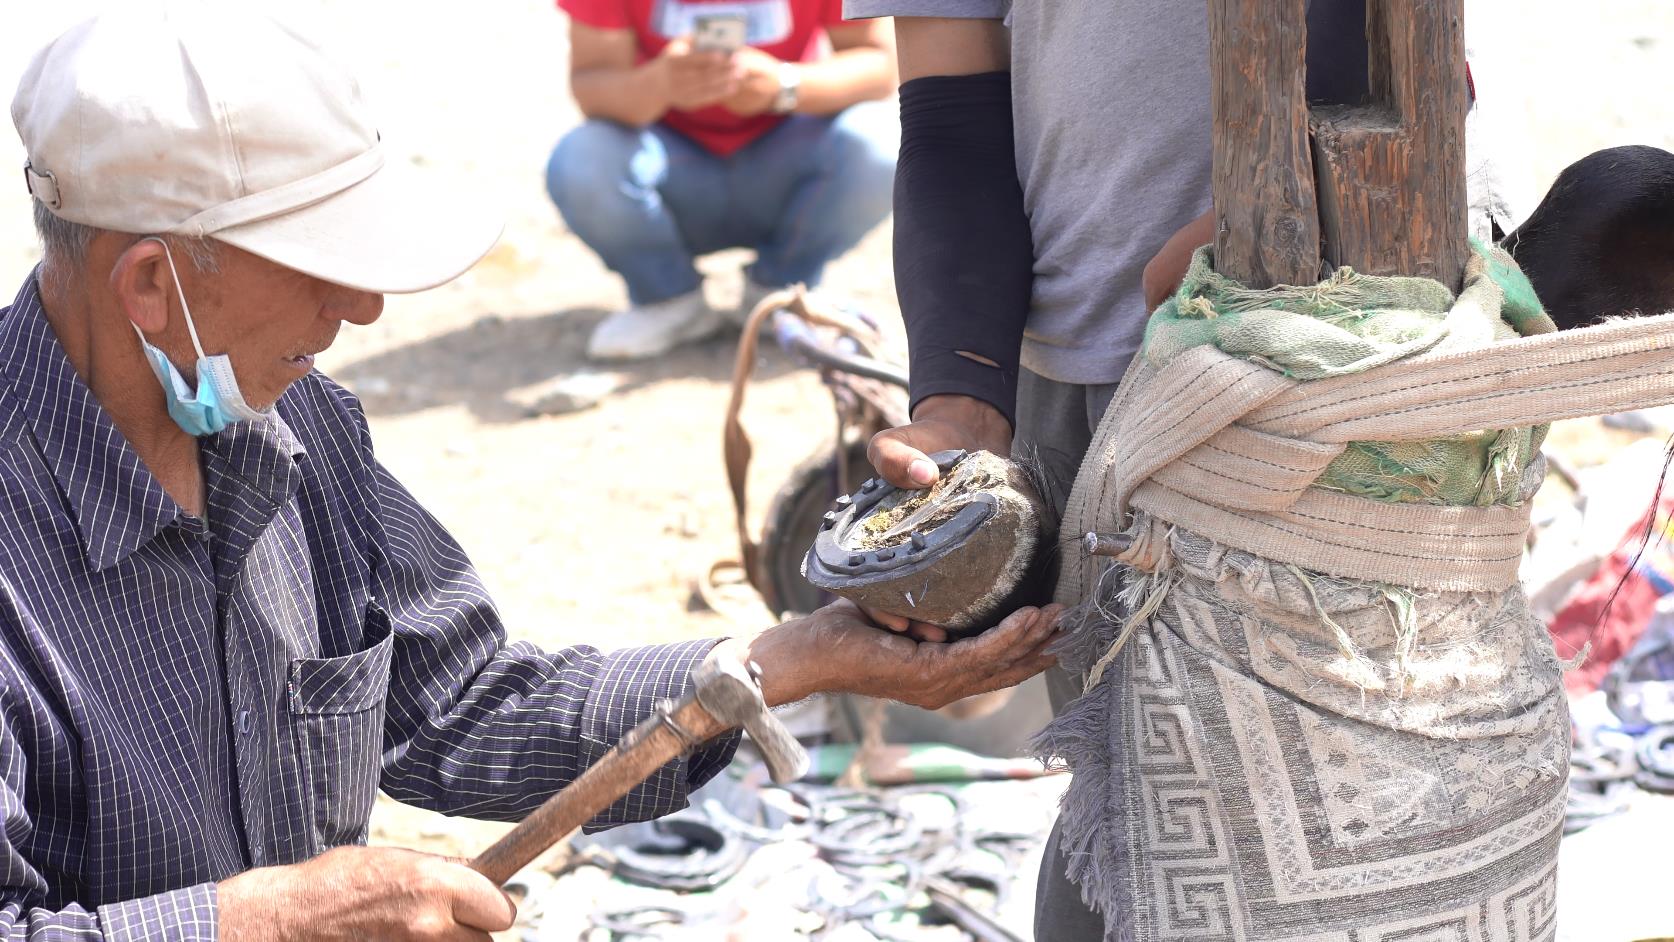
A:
(898, 459)
(1046, 647)
(1001, 657)
(707, 58)
(692, 75)
(901, 624)
(1154, 281)
(1046, 624)
(1042, 655)
(901, 455)
(1011, 641)
(1005, 674)
(477, 902)
(924, 631)
(1007, 635)
(717, 86)
(896, 623)
(1034, 657)
(703, 98)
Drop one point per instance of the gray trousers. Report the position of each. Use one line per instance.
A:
(1055, 424)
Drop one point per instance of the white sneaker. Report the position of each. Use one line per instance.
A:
(654, 329)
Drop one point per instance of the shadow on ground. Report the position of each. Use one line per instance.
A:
(496, 367)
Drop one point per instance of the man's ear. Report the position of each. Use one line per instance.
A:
(143, 285)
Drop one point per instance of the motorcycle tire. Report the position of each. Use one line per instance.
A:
(793, 520)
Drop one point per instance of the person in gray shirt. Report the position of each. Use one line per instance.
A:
(1053, 181)
(1109, 114)
(1030, 320)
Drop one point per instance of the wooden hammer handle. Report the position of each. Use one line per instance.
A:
(596, 789)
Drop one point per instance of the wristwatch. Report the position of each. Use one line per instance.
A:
(790, 84)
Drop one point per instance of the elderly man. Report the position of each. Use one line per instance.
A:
(223, 624)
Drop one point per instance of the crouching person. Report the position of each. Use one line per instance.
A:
(692, 147)
(223, 624)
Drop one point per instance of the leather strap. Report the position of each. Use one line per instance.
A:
(737, 450)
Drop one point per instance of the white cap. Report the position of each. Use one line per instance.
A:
(203, 119)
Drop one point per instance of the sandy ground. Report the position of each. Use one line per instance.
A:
(590, 527)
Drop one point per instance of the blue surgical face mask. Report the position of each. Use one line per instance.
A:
(216, 403)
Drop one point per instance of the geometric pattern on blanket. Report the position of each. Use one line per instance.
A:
(1238, 777)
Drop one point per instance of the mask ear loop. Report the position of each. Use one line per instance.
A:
(179, 293)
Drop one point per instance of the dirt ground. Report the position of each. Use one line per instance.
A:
(591, 526)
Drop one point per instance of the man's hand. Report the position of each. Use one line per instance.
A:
(1165, 269)
(902, 455)
(695, 78)
(837, 650)
(757, 75)
(354, 893)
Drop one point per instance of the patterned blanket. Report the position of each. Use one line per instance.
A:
(1274, 754)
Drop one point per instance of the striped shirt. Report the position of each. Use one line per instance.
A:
(185, 698)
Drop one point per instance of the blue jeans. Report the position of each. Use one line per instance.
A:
(649, 201)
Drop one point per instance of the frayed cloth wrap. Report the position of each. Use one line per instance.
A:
(1231, 448)
(1335, 719)
(1239, 775)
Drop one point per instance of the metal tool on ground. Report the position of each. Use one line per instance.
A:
(944, 896)
(1656, 761)
(726, 694)
(905, 863)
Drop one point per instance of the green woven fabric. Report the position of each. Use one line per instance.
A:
(1350, 323)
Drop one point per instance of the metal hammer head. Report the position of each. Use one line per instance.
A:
(726, 689)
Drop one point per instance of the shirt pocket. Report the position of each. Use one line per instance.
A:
(337, 722)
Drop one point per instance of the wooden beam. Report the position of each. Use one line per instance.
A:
(1267, 222)
(1391, 173)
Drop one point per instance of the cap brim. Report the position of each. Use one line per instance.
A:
(392, 233)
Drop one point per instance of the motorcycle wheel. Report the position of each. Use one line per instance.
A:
(793, 520)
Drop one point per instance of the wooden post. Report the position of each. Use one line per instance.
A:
(1390, 192)
(1392, 173)
(1266, 222)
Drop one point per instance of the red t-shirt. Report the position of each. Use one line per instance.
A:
(790, 30)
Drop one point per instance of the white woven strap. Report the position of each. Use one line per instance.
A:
(1626, 364)
(1229, 448)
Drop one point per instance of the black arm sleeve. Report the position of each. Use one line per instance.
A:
(964, 262)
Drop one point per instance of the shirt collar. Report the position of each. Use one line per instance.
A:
(118, 505)
(263, 455)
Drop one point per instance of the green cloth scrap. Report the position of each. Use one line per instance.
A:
(1352, 322)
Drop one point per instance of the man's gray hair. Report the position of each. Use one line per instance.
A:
(64, 246)
(63, 243)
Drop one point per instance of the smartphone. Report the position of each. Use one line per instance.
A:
(718, 32)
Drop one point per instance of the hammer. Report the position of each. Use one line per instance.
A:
(725, 695)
